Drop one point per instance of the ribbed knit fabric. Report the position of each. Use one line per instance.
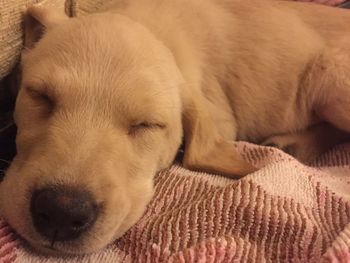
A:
(285, 212)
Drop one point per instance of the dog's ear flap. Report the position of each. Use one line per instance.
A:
(205, 149)
(37, 20)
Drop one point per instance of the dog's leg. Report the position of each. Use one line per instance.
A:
(329, 85)
(206, 149)
(309, 144)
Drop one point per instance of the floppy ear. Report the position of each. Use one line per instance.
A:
(205, 149)
(37, 20)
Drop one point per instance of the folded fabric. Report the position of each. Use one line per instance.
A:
(285, 212)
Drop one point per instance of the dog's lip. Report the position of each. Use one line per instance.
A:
(50, 247)
(57, 252)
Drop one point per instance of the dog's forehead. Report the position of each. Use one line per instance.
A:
(99, 39)
(86, 50)
(112, 83)
(137, 91)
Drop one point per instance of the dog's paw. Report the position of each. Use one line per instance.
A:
(301, 149)
(282, 143)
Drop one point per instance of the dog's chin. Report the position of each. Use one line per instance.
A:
(67, 249)
(80, 246)
(62, 251)
(58, 251)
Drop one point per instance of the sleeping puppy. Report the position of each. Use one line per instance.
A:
(107, 99)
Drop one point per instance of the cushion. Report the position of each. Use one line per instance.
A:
(11, 13)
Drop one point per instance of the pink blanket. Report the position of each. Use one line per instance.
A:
(285, 212)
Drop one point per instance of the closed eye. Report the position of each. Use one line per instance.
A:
(134, 129)
(41, 99)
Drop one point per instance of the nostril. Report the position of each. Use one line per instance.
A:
(44, 217)
(79, 224)
(62, 212)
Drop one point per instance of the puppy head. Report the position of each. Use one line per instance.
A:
(98, 114)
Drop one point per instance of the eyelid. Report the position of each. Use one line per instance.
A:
(149, 124)
(34, 92)
(145, 126)
(37, 91)
(42, 97)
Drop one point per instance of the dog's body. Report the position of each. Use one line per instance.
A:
(255, 64)
(107, 98)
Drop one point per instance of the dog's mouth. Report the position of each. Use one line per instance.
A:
(72, 248)
(57, 249)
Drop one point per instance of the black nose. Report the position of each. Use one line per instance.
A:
(62, 213)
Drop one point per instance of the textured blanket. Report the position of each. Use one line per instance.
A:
(285, 212)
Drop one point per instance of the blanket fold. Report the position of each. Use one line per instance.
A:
(285, 212)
